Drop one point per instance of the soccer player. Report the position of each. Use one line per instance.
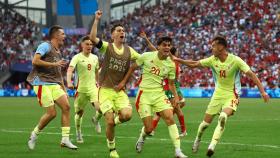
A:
(46, 78)
(177, 108)
(151, 98)
(86, 65)
(114, 104)
(226, 69)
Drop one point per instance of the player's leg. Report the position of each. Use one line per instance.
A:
(95, 119)
(123, 107)
(167, 116)
(229, 108)
(178, 111)
(110, 133)
(155, 122)
(79, 104)
(212, 109)
(47, 102)
(145, 131)
(98, 114)
(145, 112)
(106, 97)
(61, 100)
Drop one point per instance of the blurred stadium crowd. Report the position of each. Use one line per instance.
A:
(251, 28)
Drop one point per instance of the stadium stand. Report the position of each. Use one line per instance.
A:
(250, 28)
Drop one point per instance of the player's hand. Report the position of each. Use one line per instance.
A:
(265, 97)
(70, 86)
(98, 14)
(143, 34)
(61, 63)
(120, 86)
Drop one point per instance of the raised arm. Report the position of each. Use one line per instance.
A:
(189, 63)
(93, 32)
(126, 77)
(150, 45)
(255, 79)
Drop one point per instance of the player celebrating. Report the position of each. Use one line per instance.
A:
(115, 66)
(177, 108)
(226, 69)
(151, 98)
(46, 77)
(87, 66)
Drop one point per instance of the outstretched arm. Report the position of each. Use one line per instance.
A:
(93, 31)
(126, 77)
(255, 79)
(150, 45)
(189, 63)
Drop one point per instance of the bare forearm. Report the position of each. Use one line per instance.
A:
(150, 45)
(93, 32)
(42, 63)
(189, 63)
(69, 75)
(255, 79)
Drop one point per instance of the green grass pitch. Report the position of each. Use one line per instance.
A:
(253, 132)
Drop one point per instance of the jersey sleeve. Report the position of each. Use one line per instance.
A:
(242, 65)
(207, 62)
(140, 60)
(43, 48)
(104, 47)
(134, 54)
(74, 61)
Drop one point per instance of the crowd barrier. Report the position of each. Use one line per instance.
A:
(187, 92)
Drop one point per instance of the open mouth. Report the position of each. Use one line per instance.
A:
(122, 37)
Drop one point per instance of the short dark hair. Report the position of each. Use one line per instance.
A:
(164, 39)
(115, 26)
(221, 40)
(173, 50)
(53, 30)
(85, 38)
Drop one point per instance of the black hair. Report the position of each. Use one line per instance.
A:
(164, 39)
(53, 30)
(115, 26)
(173, 50)
(84, 38)
(221, 40)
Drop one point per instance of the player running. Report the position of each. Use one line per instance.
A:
(114, 105)
(151, 98)
(86, 65)
(46, 78)
(177, 108)
(226, 69)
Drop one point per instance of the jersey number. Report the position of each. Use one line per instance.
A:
(222, 73)
(89, 67)
(155, 71)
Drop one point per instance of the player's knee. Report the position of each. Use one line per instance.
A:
(66, 108)
(110, 123)
(148, 130)
(125, 117)
(52, 114)
(222, 119)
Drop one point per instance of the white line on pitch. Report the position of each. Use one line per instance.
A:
(157, 139)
